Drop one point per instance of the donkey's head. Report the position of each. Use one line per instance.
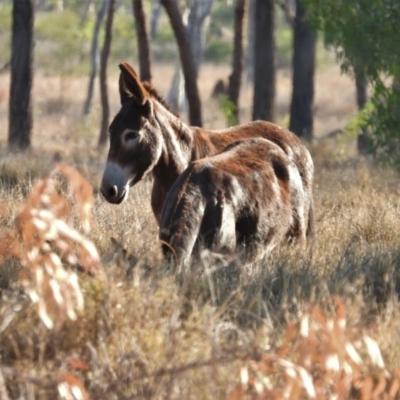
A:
(135, 142)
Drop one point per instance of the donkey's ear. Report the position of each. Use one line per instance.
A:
(123, 91)
(130, 86)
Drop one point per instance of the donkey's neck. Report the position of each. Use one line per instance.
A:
(178, 140)
(181, 145)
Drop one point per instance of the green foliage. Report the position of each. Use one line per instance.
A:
(5, 19)
(165, 35)
(60, 43)
(63, 45)
(219, 34)
(365, 36)
(164, 45)
(222, 15)
(385, 121)
(364, 32)
(284, 44)
(228, 109)
(5, 34)
(221, 21)
(360, 121)
(124, 37)
(218, 51)
(285, 121)
(283, 40)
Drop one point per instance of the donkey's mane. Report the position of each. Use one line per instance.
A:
(153, 93)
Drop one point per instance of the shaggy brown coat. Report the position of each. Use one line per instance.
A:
(244, 200)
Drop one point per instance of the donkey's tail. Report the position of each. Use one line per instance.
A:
(169, 254)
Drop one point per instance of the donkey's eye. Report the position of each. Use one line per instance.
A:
(129, 136)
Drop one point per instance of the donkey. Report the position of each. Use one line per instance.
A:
(243, 200)
(145, 136)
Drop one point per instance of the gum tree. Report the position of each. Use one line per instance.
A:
(365, 36)
(142, 40)
(20, 104)
(187, 61)
(105, 52)
(264, 61)
(94, 56)
(301, 107)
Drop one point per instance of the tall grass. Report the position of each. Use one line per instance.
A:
(311, 324)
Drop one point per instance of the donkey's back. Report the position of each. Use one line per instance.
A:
(244, 200)
(291, 145)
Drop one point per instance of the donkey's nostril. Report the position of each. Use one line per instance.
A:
(113, 191)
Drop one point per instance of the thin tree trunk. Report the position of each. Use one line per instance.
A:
(361, 89)
(60, 6)
(155, 18)
(85, 11)
(143, 41)
(176, 97)
(94, 56)
(301, 108)
(20, 105)
(188, 66)
(264, 61)
(361, 98)
(251, 12)
(235, 79)
(396, 88)
(199, 10)
(103, 75)
(41, 5)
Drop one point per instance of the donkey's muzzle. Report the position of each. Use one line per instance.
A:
(114, 185)
(112, 195)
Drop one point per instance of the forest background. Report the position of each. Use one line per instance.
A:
(313, 325)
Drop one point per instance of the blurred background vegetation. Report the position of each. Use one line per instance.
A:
(62, 41)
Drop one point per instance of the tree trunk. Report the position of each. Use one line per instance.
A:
(235, 79)
(264, 61)
(142, 40)
(85, 11)
(94, 56)
(187, 61)
(41, 5)
(60, 6)
(103, 75)
(176, 97)
(155, 18)
(199, 10)
(361, 98)
(20, 105)
(301, 108)
(251, 12)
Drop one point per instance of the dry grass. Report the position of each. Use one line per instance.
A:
(236, 333)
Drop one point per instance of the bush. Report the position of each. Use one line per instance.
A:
(365, 36)
(228, 109)
(5, 34)
(284, 41)
(61, 45)
(218, 51)
(383, 119)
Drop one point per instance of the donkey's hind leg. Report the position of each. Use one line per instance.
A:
(300, 211)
